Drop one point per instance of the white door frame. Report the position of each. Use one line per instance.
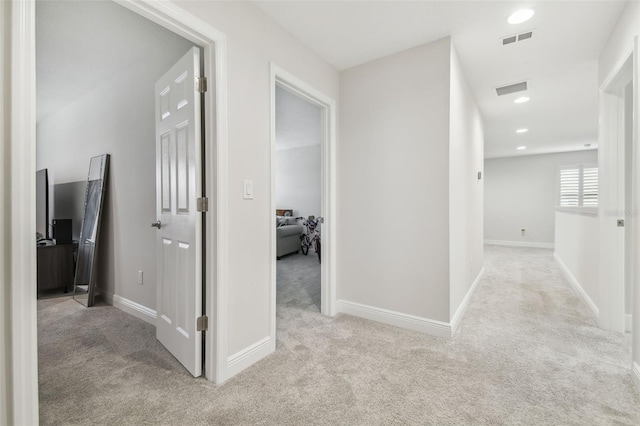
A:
(611, 155)
(214, 45)
(635, 177)
(328, 192)
(23, 391)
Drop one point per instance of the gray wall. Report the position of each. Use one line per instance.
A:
(466, 192)
(115, 117)
(298, 180)
(298, 154)
(410, 136)
(521, 192)
(393, 168)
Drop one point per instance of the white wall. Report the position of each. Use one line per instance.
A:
(521, 192)
(466, 192)
(298, 180)
(576, 247)
(393, 173)
(620, 40)
(117, 118)
(622, 37)
(253, 41)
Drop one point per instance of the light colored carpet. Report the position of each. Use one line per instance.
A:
(527, 352)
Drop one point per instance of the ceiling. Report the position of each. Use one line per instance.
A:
(559, 62)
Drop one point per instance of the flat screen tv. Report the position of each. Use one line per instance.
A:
(42, 203)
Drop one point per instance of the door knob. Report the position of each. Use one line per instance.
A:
(157, 224)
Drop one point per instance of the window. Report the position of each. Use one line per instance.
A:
(579, 186)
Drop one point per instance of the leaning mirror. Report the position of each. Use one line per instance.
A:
(86, 267)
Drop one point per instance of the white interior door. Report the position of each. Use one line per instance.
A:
(179, 236)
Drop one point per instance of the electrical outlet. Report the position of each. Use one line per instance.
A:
(140, 278)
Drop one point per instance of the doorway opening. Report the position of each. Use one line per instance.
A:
(298, 159)
(23, 173)
(104, 102)
(302, 185)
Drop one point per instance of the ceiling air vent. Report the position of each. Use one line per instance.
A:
(511, 88)
(517, 37)
(525, 36)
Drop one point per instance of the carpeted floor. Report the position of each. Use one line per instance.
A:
(527, 352)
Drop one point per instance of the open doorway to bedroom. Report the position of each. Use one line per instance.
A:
(96, 65)
(301, 285)
(298, 198)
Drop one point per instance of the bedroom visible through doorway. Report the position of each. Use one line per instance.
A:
(298, 197)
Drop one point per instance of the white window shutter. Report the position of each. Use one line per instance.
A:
(590, 186)
(570, 187)
(579, 186)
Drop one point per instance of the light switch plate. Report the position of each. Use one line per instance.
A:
(247, 193)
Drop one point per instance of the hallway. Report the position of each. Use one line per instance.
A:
(527, 352)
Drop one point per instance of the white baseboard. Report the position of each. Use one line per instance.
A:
(635, 373)
(576, 286)
(132, 308)
(249, 356)
(397, 319)
(628, 321)
(462, 309)
(530, 244)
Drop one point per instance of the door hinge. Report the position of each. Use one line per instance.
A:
(202, 204)
(201, 84)
(202, 323)
(620, 223)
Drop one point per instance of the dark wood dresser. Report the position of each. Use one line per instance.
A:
(55, 267)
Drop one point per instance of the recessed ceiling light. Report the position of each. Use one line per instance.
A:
(521, 148)
(520, 16)
(522, 130)
(521, 100)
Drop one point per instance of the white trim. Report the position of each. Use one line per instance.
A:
(635, 373)
(628, 323)
(611, 78)
(584, 211)
(530, 244)
(462, 309)
(577, 287)
(6, 415)
(214, 44)
(279, 76)
(397, 319)
(249, 356)
(129, 306)
(23, 390)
